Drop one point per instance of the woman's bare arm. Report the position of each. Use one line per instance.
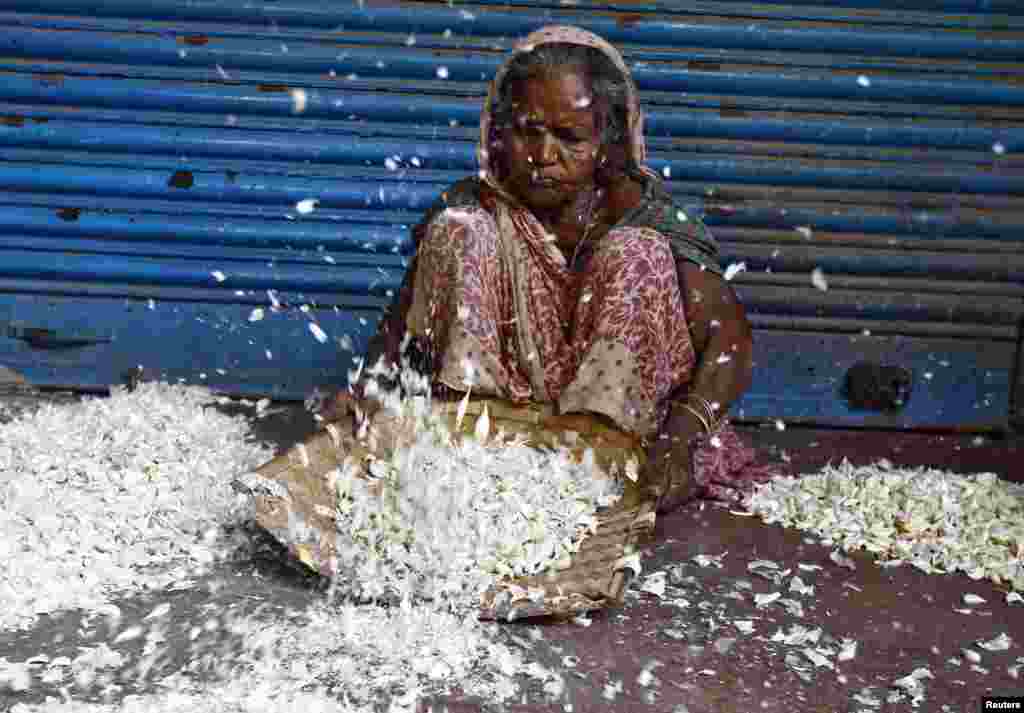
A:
(723, 342)
(721, 336)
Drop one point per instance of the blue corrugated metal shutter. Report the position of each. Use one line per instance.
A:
(153, 155)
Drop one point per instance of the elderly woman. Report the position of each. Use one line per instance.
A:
(563, 275)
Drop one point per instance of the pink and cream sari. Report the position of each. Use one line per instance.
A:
(507, 317)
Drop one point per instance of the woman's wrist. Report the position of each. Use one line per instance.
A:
(694, 415)
(711, 411)
(684, 423)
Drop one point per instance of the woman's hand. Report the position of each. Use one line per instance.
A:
(668, 472)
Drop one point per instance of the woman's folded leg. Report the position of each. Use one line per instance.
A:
(631, 346)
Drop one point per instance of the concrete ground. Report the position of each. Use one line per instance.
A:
(684, 652)
(700, 662)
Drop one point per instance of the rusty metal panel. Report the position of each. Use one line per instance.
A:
(155, 153)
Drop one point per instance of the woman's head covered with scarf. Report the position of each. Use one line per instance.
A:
(595, 88)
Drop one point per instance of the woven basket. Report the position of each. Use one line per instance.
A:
(295, 503)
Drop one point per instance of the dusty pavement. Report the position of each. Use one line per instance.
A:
(704, 645)
(684, 652)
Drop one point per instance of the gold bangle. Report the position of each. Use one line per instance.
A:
(699, 416)
(709, 410)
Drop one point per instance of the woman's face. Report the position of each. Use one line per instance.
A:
(550, 149)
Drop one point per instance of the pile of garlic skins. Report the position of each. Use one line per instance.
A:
(112, 496)
(449, 514)
(135, 500)
(935, 520)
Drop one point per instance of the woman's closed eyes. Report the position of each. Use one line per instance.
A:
(564, 134)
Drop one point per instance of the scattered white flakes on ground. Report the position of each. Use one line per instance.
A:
(842, 560)
(800, 587)
(655, 584)
(792, 606)
(160, 610)
(646, 676)
(723, 645)
(798, 665)
(938, 521)
(128, 501)
(745, 626)
(1000, 643)
(798, 636)
(612, 689)
(331, 657)
(847, 650)
(150, 470)
(709, 560)
(582, 620)
(973, 599)
(15, 676)
(819, 657)
(912, 685)
(631, 562)
(769, 570)
(129, 634)
(866, 697)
